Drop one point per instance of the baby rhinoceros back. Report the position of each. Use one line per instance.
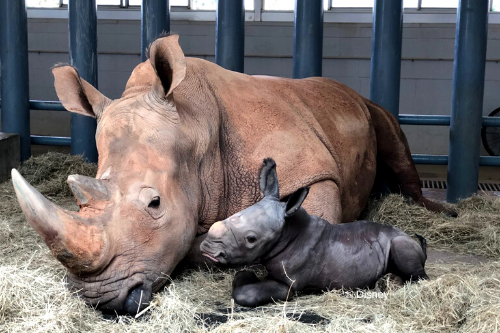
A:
(303, 252)
(357, 254)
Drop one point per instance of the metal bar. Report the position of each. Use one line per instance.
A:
(430, 159)
(83, 55)
(413, 119)
(443, 160)
(14, 72)
(308, 39)
(230, 35)
(155, 21)
(404, 119)
(51, 141)
(467, 100)
(46, 105)
(386, 54)
(257, 6)
(491, 121)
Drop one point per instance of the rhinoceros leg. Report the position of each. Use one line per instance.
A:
(393, 152)
(324, 201)
(407, 260)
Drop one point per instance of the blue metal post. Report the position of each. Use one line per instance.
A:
(83, 56)
(308, 39)
(15, 78)
(467, 100)
(386, 54)
(155, 21)
(230, 35)
(387, 35)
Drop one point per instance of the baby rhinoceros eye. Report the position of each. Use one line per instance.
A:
(155, 202)
(251, 239)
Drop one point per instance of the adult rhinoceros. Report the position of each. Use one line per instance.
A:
(181, 149)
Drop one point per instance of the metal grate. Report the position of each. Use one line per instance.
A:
(441, 184)
(494, 187)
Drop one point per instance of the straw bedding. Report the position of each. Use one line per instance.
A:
(459, 297)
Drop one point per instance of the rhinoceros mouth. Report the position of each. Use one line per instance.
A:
(123, 295)
(210, 257)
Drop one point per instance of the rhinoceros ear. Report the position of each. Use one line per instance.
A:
(168, 61)
(76, 94)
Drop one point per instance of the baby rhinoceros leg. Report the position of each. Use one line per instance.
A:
(244, 277)
(249, 291)
(407, 259)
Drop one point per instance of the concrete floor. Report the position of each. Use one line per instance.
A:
(439, 172)
(445, 257)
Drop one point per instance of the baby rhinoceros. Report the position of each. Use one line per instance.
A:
(305, 253)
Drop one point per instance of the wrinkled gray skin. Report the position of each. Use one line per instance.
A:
(315, 255)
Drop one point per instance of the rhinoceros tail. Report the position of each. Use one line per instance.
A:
(423, 244)
(394, 163)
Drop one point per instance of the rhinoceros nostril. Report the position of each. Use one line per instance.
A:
(137, 300)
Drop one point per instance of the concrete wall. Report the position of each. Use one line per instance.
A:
(426, 76)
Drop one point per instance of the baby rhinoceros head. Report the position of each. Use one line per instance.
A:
(247, 236)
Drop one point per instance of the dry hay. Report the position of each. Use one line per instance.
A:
(476, 230)
(459, 297)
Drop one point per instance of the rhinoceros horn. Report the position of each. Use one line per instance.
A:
(77, 244)
(86, 189)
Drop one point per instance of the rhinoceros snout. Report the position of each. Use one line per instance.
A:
(138, 299)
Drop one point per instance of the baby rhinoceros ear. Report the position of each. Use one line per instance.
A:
(295, 200)
(269, 179)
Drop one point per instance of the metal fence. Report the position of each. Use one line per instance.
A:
(468, 77)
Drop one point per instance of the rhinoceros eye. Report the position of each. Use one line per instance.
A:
(149, 199)
(155, 202)
(251, 239)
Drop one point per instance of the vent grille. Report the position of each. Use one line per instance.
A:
(441, 184)
(424, 183)
(494, 187)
